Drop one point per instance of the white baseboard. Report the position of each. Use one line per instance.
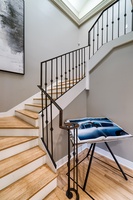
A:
(100, 151)
(122, 161)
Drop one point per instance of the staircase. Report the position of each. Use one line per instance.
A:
(24, 171)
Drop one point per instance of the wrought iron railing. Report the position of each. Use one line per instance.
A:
(113, 22)
(49, 146)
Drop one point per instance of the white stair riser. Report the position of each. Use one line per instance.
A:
(19, 132)
(39, 101)
(58, 90)
(18, 149)
(33, 108)
(23, 171)
(45, 191)
(30, 120)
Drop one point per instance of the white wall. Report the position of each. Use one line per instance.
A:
(48, 33)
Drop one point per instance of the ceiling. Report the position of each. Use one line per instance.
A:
(81, 10)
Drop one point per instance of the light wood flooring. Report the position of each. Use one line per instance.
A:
(105, 181)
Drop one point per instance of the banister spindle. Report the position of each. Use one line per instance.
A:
(93, 40)
(65, 72)
(89, 44)
(125, 19)
(102, 31)
(132, 19)
(118, 18)
(69, 70)
(76, 65)
(73, 66)
(61, 75)
(56, 77)
(79, 63)
(112, 22)
(107, 27)
(46, 75)
(84, 61)
(51, 77)
(97, 35)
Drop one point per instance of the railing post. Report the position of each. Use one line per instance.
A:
(68, 192)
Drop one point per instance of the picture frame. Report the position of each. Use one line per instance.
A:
(12, 36)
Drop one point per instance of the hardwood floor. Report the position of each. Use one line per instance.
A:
(105, 181)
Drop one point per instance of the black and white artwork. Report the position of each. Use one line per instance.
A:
(98, 129)
(12, 36)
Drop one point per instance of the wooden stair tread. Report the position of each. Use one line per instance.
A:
(10, 141)
(34, 105)
(28, 113)
(14, 122)
(29, 185)
(17, 161)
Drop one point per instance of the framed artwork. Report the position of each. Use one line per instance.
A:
(12, 36)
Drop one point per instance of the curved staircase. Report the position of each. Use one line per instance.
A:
(24, 172)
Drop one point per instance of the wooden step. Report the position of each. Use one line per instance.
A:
(17, 161)
(19, 165)
(32, 186)
(28, 113)
(28, 116)
(14, 122)
(34, 107)
(8, 142)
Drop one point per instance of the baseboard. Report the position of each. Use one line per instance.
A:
(100, 151)
(122, 161)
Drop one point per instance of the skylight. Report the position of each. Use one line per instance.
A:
(81, 7)
(81, 10)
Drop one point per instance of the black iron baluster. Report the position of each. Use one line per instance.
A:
(51, 129)
(76, 65)
(69, 70)
(118, 18)
(107, 27)
(46, 76)
(41, 75)
(93, 40)
(61, 75)
(79, 63)
(46, 102)
(73, 66)
(65, 72)
(97, 35)
(84, 62)
(125, 15)
(56, 78)
(132, 19)
(68, 192)
(89, 37)
(52, 78)
(102, 31)
(46, 120)
(112, 22)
